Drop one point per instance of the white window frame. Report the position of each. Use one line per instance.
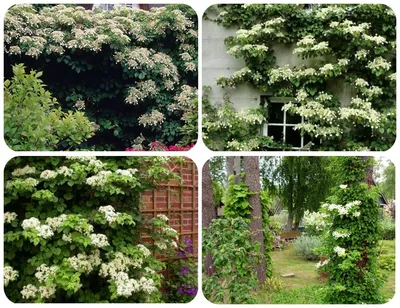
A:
(267, 99)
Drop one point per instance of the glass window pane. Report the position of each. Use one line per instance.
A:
(275, 113)
(293, 137)
(276, 132)
(292, 119)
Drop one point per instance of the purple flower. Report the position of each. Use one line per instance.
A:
(187, 289)
(189, 246)
(185, 270)
(181, 253)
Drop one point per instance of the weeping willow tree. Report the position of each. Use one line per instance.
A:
(302, 183)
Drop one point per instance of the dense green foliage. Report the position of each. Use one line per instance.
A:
(33, 121)
(235, 256)
(132, 72)
(304, 246)
(73, 229)
(351, 46)
(237, 200)
(350, 244)
(388, 226)
(388, 185)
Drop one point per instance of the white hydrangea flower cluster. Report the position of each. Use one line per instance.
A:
(301, 95)
(310, 109)
(331, 10)
(82, 159)
(280, 74)
(44, 272)
(55, 222)
(125, 285)
(44, 231)
(30, 223)
(85, 263)
(143, 90)
(340, 251)
(162, 217)
(309, 44)
(360, 83)
(361, 54)
(392, 77)
(9, 217)
(67, 238)
(343, 186)
(47, 291)
(249, 145)
(109, 212)
(153, 119)
(147, 285)
(377, 39)
(99, 240)
(339, 234)
(65, 171)
(324, 70)
(315, 220)
(320, 131)
(323, 263)
(343, 210)
(99, 179)
(29, 291)
(96, 163)
(144, 250)
(23, 171)
(9, 275)
(361, 110)
(48, 174)
(378, 64)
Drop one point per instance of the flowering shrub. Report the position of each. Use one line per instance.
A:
(350, 246)
(366, 62)
(131, 71)
(73, 229)
(34, 122)
(234, 258)
(157, 146)
(304, 246)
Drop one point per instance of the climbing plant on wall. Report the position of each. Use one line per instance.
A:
(338, 44)
(132, 72)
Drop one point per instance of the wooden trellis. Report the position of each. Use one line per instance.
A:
(178, 200)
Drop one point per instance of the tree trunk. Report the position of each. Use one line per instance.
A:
(236, 170)
(289, 224)
(252, 179)
(209, 212)
(368, 172)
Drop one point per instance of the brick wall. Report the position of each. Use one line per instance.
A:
(178, 200)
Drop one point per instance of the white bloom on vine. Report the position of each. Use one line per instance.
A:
(85, 263)
(320, 264)
(29, 291)
(48, 174)
(147, 285)
(323, 97)
(307, 40)
(340, 251)
(320, 46)
(326, 68)
(65, 171)
(281, 73)
(361, 54)
(379, 63)
(149, 270)
(9, 217)
(98, 180)
(109, 212)
(44, 231)
(125, 285)
(392, 77)
(31, 181)
(301, 95)
(67, 238)
(47, 291)
(361, 82)
(23, 171)
(334, 24)
(155, 118)
(343, 62)
(81, 159)
(356, 214)
(343, 186)
(9, 275)
(323, 13)
(162, 217)
(162, 245)
(143, 249)
(338, 234)
(99, 240)
(377, 39)
(123, 172)
(43, 272)
(98, 164)
(30, 223)
(55, 222)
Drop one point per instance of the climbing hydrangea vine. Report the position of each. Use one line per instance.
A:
(352, 45)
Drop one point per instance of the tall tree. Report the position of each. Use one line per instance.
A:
(387, 186)
(252, 179)
(209, 212)
(303, 184)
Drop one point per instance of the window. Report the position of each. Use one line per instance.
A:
(109, 6)
(280, 124)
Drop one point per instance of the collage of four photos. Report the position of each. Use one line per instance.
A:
(91, 216)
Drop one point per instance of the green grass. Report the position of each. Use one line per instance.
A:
(301, 289)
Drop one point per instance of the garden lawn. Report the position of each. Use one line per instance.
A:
(301, 289)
